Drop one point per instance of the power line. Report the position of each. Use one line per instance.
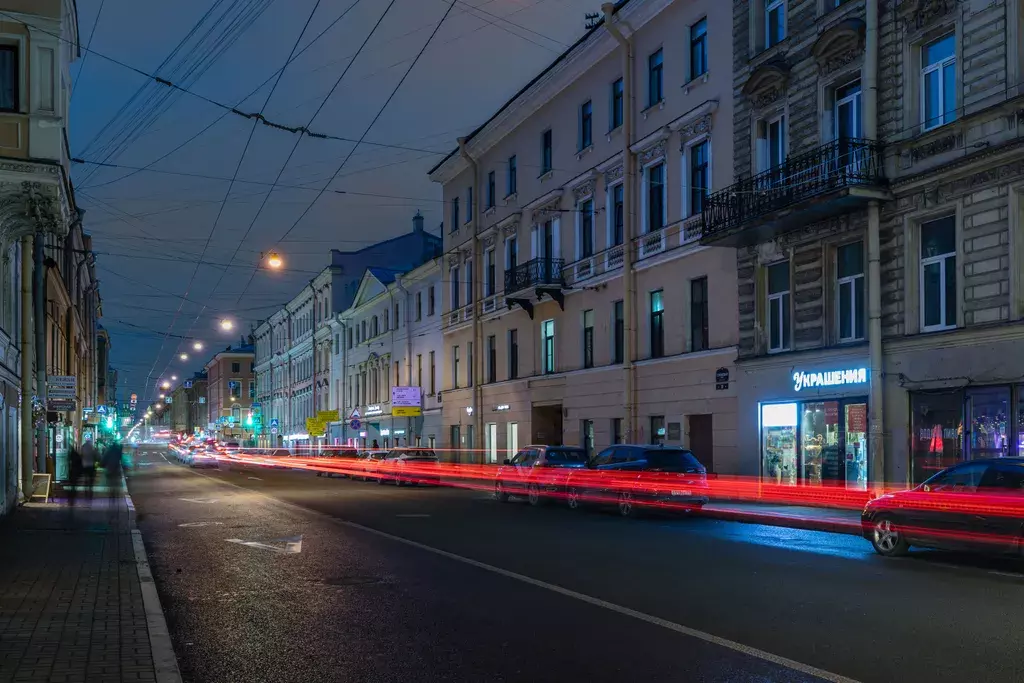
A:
(88, 42)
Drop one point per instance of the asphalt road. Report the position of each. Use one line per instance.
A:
(278, 575)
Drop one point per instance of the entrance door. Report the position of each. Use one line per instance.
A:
(492, 442)
(702, 440)
(856, 445)
(454, 441)
(512, 439)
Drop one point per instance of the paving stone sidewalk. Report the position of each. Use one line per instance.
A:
(71, 605)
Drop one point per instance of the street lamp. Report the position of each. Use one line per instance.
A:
(198, 346)
(159, 406)
(226, 324)
(183, 356)
(165, 385)
(274, 260)
(162, 396)
(174, 378)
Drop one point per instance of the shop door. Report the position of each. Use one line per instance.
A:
(702, 440)
(855, 445)
(492, 442)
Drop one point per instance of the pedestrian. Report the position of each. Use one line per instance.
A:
(112, 467)
(88, 453)
(375, 446)
(74, 472)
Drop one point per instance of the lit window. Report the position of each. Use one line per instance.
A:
(778, 307)
(850, 291)
(547, 341)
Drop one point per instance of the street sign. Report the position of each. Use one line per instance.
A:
(405, 397)
(61, 387)
(274, 423)
(355, 424)
(188, 384)
(256, 406)
(327, 415)
(102, 410)
(406, 411)
(355, 414)
(273, 430)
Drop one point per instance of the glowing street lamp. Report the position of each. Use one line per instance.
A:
(159, 406)
(183, 356)
(165, 385)
(162, 396)
(226, 324)
(274, 260)
(198, 346)
(174, 378)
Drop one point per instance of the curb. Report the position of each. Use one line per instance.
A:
(164, 662)
(831, 526)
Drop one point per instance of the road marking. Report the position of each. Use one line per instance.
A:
(256, 478)
(414, 515)
(1012, 575)
(201, 501)
(199, 524)
(583, 597)
(292, 545)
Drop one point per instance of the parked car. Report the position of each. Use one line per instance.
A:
(635, 476)
(204, 456)
(976, 505)
(409, 466)
(344, 455)
(538, 472)
(367, 465)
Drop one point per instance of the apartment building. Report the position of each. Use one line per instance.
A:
(189, 414)
(296, 347)
(230, 392)
(578, 295)
(877, 218)
(391, 337)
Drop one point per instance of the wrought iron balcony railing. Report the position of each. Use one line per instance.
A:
(840, 164)
(538, 272)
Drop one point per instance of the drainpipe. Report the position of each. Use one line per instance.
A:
(876, 439)
(39, 304)
(26, 367)
(476, 368)
(408, 354)
(342, 401)
(629, 227)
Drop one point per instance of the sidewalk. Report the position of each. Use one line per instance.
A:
(834, 520)
(72, 603)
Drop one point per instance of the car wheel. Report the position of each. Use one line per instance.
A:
(533, 495)
(572, 498)
(626, 507)
(499, 493)
(887, 539)
(380, 481)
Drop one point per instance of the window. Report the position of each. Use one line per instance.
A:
(10, 74)
(615, 115)
(235, 389)
(617, 218)
(657, 327)
(374, 329)
(491, 190)
(938, 82)
(938, 274)
(513, 354)
(469, 203)
(774, 22)
(586, 125)
(252, 390)
(455, 284)
(847, 112)
(616, 430)
(385, 320)
(398, 379)
(699, 49)
(547, 346)
(511, 253)
(455, 215)
(469, 364)
(618, 333)
(850, 291)
(588, 338)
(657, 429)
(510, 176)
(778, 307)
(398, 316)
(585, 219)
(699, 177)
(362, 329)
(586, 440)
(419, 305)
(489, 272)
(236, 367)
(455, 367)
(430, 300)
(655, 83)
(699, 314)
(771, 144)
(492, 360)
(966, 477)
(433, 386)
(545, 151)
(337, 344)
(655, 197)
(469, 281)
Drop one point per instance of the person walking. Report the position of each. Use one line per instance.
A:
(112, 468)
(88, 453)
(74, 472)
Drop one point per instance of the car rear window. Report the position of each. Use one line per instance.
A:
(567, 455)
(672, 461)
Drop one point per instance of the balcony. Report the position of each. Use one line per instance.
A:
(834, 179)
(538, 277)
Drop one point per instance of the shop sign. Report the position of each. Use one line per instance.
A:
(399, 432)
(385, 432)
(831, 378)
(405, 397)
(722, 379)
(856, 418)
(501, 408)
(374, 410)
(832, 412)
(315, 427)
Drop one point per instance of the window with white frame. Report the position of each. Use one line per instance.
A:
(586, 126)
(698, 176)
(615, 114)
(547, 347)
(491, 191)
(454, 284)
(455, 367)
(655, 78)
(771, 142)
(588, 338)
(850, 291)
(938, 82)
(469, 281)
(774, 22)
(489, 272)
(938, 274)
(511, 253)
(616, 217)
(545, 151)
(778, 322)
(511, 184)
(655, 205)
(585, 228)
(10, 75)
(699, 49)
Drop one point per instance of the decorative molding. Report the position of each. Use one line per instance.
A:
(545, 199)
(654, 138)
(613, 175)
(938, 146)
(549, 211)
(839, 61)
(490, 240)
(511, 227)
(656, 151)
(839, 45)
(767, 98)
(584, 189)
(466, 255)
(453, 259)
(767, 83)
(701, 126)
(920, 14)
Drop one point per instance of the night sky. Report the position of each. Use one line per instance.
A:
(176, 251)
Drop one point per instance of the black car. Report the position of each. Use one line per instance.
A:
(976, 505)
(539, 472)
(632, 476)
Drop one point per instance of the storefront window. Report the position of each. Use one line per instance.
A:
(856, 417)
(778, 442)
(936, 432)
(988, 411)
(1020, 419)
(820, 442)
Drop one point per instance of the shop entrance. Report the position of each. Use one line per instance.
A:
(702, 440)
(546, 422)
(817, 443)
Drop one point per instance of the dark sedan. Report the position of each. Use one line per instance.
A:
(538, 472)
(976, 505)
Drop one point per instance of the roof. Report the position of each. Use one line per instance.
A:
(619, 4)
(385, 275)
(376, 245)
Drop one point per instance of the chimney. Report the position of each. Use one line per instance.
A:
(417, 222)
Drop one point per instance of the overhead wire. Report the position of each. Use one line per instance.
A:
(88, 42)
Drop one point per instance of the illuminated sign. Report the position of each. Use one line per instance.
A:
(831, 378)
(374, 410)
(501, 408)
